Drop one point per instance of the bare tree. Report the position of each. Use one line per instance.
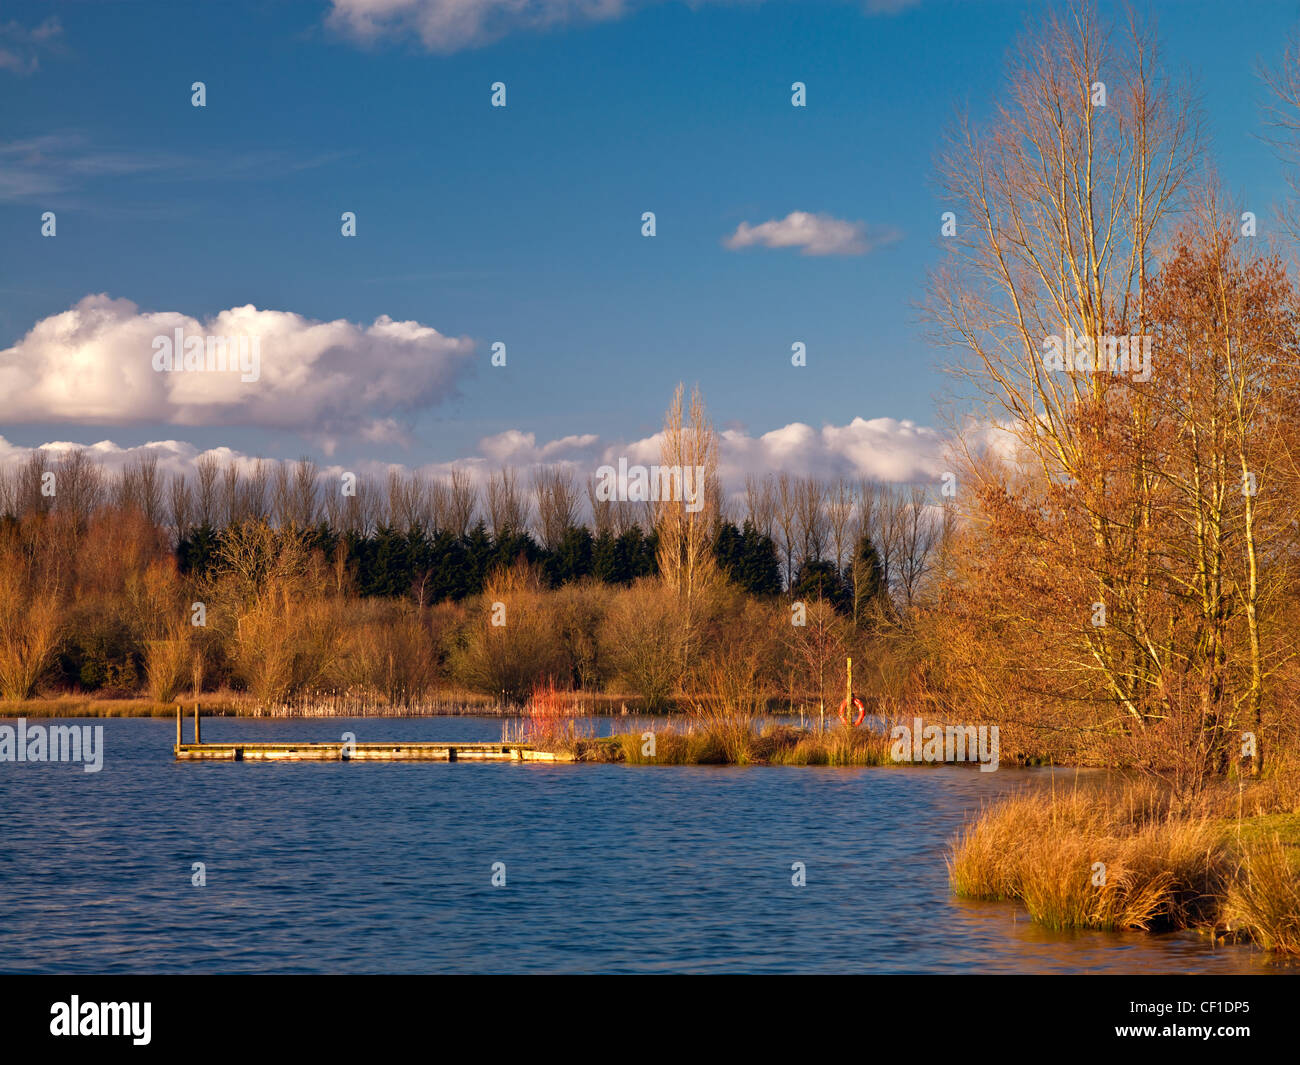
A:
(461, 502)
(306, 488)
(282, 496)
(139, 487)
(232, 494)
(760, 502)
(80, 485)
(685, 525)
(361, 512)
(602, 510)
(508, 508)
(887, 533)
(810, 495)
(839, 519)
(208, 470)
(787, 522)
(865, 523)
(409, 505)
(439, 496)
(557, 504)
(30, 498)
(919, 531)
(181, 504)
(255, 504)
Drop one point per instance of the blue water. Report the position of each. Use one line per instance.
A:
(387, 867)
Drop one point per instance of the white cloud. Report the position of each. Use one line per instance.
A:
(816, 234)
(516, 448)
(93, 364)
(451, 25)
(877, 449)
(64, 167)
(20, 47)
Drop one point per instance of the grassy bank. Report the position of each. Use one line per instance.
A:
(713, 740)
(721, 743)
(1225, 862)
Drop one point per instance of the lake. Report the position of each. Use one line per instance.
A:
(388, 867)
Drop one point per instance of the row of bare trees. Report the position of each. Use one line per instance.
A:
(808, 519)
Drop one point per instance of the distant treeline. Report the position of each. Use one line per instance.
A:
(433, 568)
(437, 566)
(438, 539)
(285, 582)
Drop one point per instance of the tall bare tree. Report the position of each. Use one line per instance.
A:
(207, 471)
(80, 486)
(810, 497)
(760, 502)
(839, 520)
(508, 507)
(182, 505)
(1060, 204)
(557, 504)
(462, 499)
(686, 525)
(787, 522)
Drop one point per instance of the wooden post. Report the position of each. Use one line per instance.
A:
(848, 690)
(178, 724)
(196, 724)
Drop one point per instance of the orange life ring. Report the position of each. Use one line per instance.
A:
(857, 705)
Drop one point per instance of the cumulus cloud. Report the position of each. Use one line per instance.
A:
(878, 449)
(816, 234)
(516, 448)
(94, 364)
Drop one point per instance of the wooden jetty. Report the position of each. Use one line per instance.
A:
(396, 751)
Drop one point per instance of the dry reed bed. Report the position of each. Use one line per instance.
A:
(705, 739)
(1134, 858)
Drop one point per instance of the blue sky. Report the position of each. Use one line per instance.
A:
(522, 224)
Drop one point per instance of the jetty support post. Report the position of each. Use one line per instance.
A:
(178, 725)
(196, 724)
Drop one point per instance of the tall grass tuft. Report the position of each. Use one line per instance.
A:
(1263, 903)
(1094, 857)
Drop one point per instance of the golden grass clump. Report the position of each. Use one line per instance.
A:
(1263, 902)
(1132, 858)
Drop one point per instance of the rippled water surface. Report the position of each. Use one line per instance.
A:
(386, 867)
